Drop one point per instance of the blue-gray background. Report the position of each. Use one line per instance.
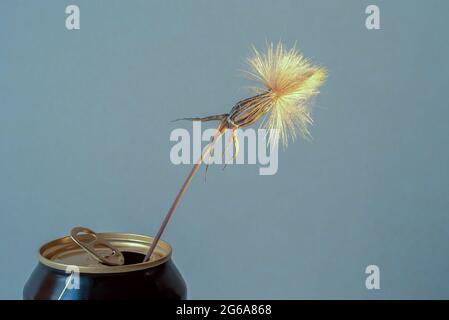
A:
(84, 140)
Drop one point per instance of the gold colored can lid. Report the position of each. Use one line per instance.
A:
(64, 252)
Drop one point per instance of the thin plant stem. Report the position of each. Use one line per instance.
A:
(181, 193)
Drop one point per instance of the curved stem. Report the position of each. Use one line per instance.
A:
(180, 194)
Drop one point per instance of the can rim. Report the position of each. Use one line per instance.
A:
(138, 243)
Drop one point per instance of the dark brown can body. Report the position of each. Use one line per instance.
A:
(65, 272)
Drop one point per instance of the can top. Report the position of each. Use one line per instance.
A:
(64, 252)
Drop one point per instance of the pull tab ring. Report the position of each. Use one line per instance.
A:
(91, 242)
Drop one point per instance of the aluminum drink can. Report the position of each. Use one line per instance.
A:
(67, 271)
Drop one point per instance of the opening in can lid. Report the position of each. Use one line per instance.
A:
(64, 252)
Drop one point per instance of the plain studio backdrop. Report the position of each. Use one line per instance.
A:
(84, 140)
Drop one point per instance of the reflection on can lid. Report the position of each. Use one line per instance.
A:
(64, 252)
